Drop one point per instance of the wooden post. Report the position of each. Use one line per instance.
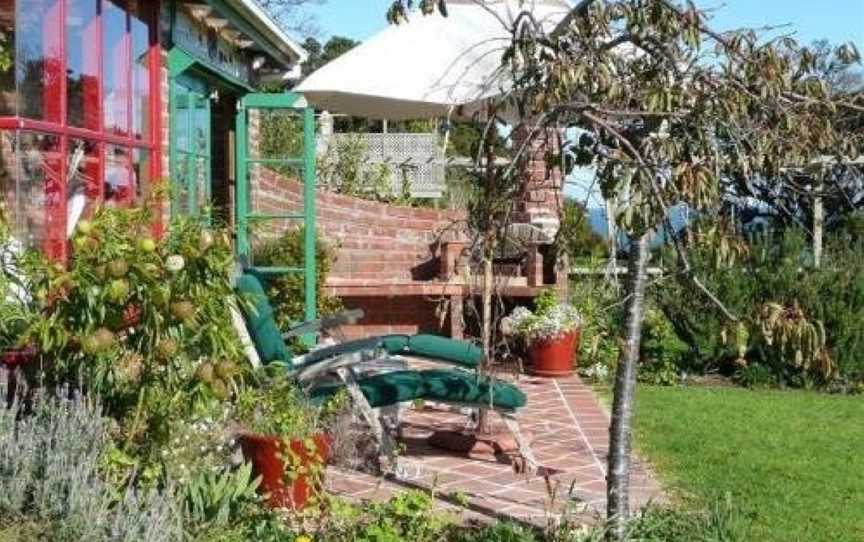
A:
(818, 223)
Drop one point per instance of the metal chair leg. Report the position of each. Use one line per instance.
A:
(527, 455)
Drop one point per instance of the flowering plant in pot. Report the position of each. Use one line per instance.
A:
(551, 332)
(285, 439)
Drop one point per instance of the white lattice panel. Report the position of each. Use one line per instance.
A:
(417, 157)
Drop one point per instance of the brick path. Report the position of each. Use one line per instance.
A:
(568, 428)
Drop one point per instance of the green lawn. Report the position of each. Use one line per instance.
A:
(792, 461)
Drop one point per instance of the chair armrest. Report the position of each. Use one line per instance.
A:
(323, 324)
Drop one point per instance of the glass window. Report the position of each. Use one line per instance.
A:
(82, 63)
(119, 182)
(7, 57)
(115, 66)
(141, 15)
(38, 60)
(34, 191)
(84, 190)
(141, 174)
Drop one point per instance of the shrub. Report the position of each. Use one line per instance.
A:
(767, 281)
(50, 476)
(345, 169)
(599, 347)
(286, 291)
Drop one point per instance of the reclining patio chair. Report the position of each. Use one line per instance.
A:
(371, 371)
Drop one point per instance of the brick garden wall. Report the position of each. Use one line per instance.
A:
(373, 242)
(382, 254)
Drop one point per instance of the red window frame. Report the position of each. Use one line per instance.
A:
(55, 99)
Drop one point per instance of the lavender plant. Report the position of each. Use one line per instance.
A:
(49, 474)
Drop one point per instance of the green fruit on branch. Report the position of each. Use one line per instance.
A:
(220, 390)
(101, 271)
(161, 296)
(118, 290)
(150, 270)
(182, 310)
(85, 227)
(99, 341)
(167, 348)
(131, 366)
(226, 370)
(118, 268)
(147, 245)
(205, 373)
(80, 243)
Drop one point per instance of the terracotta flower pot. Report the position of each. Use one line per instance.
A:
(266, 453)
(554, 357)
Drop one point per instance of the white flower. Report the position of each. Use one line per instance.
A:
(175, 263)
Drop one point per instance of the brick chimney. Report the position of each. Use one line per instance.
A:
(542, 198)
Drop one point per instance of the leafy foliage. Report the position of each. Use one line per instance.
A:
(50, 475)
(576, 238)
(799, 322)
(286, 292)
(345, 169)
(320, 56)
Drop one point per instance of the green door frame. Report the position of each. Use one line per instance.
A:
(245, 215)
(180, 64)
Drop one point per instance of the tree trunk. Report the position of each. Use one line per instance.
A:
(620, 430)
(483, 422)
(818, 224)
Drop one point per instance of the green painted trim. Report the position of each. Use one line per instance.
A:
(276, 216)
(181, 61)
(277, 270)
(244, 216)
(271, 101)
(309, 262)
(241, 190)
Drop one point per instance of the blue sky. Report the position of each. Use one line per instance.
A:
(837, 20)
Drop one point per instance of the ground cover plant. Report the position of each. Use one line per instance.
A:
(789, 460)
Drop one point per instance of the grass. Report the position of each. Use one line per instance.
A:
(793, 462)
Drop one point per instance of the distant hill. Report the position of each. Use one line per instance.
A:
(597, 219)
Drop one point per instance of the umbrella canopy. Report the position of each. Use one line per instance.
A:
(428, 66)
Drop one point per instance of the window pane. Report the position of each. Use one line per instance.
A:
(85, 181)
(7, 60)
(141, 173)
(140, 35)
(82, 63)
(38, 44)
(119, 182)
(115, 66)
(34, 191)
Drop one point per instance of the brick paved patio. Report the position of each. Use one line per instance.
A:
(568, 429)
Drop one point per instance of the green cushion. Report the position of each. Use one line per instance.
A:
(434, 347)
(465, 387)
(380, 390)
(260, 321)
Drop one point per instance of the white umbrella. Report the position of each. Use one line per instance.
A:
(428, 66)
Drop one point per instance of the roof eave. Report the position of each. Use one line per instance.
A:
(264, 23)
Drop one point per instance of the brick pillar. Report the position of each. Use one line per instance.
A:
(542, 198)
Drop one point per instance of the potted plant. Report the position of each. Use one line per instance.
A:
(551, 333)
(284, 439)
